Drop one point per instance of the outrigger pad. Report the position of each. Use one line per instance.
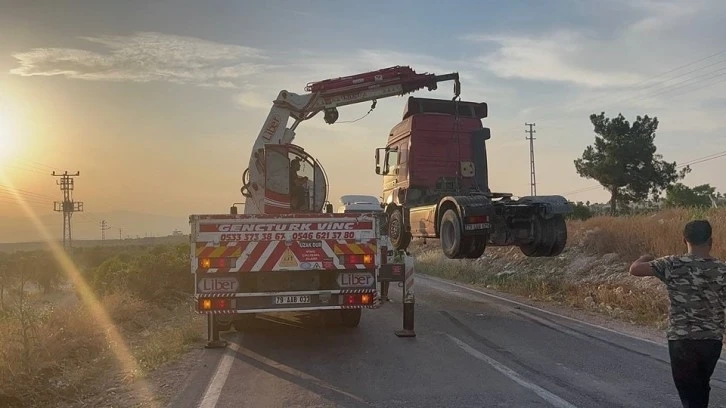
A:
(216, 344)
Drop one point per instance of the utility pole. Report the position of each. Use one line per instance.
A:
(104, 228)
(532, 178)
(119, 234)
(67, 206)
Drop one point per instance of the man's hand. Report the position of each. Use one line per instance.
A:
(641, 267)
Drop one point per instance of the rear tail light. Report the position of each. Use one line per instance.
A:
(207, 263)
(477, 219)
(366, 259)
(214, 304)
(358, 299)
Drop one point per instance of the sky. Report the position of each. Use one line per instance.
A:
(157, 104)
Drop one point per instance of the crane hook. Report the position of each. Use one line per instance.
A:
(457, 89)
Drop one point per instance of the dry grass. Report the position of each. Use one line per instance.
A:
(659, 234)
(623, 300)
(69, 356)
(592, 273)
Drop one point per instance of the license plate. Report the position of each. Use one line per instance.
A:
(476, 226)
(285, 300)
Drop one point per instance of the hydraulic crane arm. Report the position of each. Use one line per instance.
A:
(327, 96)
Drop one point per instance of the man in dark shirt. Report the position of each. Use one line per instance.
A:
(297, 189)
(696, 284)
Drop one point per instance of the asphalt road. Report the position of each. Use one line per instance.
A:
(471, 350)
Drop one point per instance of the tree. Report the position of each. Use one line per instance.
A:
(580, 211)
(680, 195)
(624, 160)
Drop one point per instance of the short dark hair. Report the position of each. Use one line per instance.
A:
(697, 232)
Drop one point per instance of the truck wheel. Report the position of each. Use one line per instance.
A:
(330, 318)
(450, 235)
(474, 247)
(550, 237)
(559, 227)
(539, 245)
(400, 237)
(350, 317)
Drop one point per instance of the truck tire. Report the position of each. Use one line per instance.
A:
(342, 317)
(450, 235)
(550, 237)
(350, 317)
(397, 231)
(560, 231)
(474, 247)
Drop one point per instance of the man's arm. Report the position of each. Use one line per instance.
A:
(647, 265)
(642, 266)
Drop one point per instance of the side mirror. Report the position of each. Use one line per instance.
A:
(484, 133)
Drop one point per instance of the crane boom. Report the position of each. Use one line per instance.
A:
(327, 95)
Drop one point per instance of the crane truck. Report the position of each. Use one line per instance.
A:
(289, 252)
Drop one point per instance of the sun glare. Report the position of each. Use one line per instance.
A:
(7, 138)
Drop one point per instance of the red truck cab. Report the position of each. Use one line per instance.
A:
(436, 185)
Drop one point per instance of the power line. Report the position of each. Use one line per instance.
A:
(661, 75)
(689, 72)
(29, 204)
(21, 195)
(20, 191)
(672, 87)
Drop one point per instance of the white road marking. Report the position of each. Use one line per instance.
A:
(553, 399)
(214, 389)
(297, 373)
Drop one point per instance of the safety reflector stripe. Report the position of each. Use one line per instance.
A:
(252, 256)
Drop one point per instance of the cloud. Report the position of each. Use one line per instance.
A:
(254, 100)
(148, 56)
(663, 14)
(553, 57)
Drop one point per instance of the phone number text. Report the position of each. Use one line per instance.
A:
(287, 236)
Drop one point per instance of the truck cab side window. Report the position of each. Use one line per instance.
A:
(391, 162)
(299, 185)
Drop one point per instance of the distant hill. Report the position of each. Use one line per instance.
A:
(151, 241)
(86, 226)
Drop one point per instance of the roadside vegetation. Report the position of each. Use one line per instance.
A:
(592, 272)
(53, 351)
